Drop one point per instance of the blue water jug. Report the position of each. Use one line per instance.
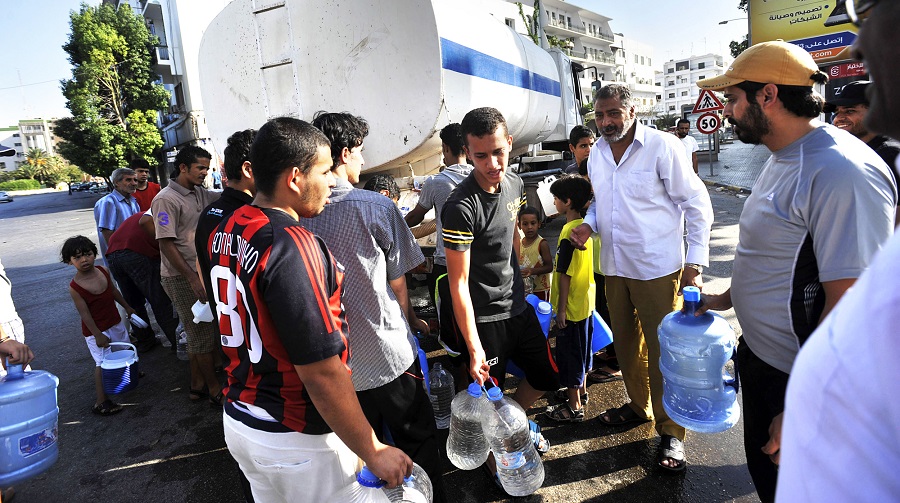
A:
(119, 370)
(544, 312)
(697, 393)
(28, 424)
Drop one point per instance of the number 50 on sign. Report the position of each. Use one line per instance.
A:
(709, 123)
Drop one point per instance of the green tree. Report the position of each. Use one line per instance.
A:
(113, 94)
(737, 47)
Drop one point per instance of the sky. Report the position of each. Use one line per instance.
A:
(33, 32)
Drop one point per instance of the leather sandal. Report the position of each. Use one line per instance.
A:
(621, 416)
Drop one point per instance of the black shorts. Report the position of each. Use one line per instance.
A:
(519, 339)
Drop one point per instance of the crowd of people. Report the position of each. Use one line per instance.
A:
(314, 329)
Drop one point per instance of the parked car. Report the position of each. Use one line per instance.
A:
(5, 198)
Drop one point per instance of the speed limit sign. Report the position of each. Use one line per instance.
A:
(709, 123)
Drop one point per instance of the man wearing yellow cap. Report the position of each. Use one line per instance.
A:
(821, 208)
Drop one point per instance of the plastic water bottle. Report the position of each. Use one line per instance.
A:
(543, 310)
(28, 416)
(365, 489)
(697, 393)
(181, 348)
(415, 489)
(528, 281)
(467, 448)
(442, 391)
(519, 466)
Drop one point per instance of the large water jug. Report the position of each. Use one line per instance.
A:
(467, 448)
(415, 489)
(519, 466)
(442, 390)
(28, 424)
(697, 393)
(365, 489)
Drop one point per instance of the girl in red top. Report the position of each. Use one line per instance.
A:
(95, 298)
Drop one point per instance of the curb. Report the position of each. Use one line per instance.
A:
(733, 188)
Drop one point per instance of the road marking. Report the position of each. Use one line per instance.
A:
(163, 460)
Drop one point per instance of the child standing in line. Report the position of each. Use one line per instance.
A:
(572, 296)
(535, 261)
(95, 298)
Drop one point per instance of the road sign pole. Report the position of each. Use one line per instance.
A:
(710, 151)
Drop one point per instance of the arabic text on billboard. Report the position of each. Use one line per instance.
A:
(822, 27)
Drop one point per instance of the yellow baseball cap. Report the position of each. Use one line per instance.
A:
(776, 62)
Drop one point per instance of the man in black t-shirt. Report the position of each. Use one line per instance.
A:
(277, 290)
(494, 322)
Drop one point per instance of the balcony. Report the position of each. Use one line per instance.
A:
(165, 66)
(580, 30)
(605, 59)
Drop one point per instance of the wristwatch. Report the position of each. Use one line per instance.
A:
(696, 267)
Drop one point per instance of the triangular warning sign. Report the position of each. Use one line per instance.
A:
(707, 102)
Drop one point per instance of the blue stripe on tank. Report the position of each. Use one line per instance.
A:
(461, 59)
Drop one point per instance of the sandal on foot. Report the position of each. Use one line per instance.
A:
(541, 444)
(621, 416)
(216, 402)
(601, 376)
(106, 408)
(198, 394)
(672, 449)
(562, 413)
(562, 395)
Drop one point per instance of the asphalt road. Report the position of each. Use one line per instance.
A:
(164, 448)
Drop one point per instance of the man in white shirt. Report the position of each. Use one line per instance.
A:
(683, 131)
(644, 191)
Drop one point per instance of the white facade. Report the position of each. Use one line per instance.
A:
(637, 72)
(10, 137)
(678, 81)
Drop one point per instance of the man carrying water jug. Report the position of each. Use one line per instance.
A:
(822, 206)
(645, 196)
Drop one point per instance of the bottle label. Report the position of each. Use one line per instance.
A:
(512, 460)
(37, 442)
(412, 495)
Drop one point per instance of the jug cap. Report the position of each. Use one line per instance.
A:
(494, 394)
(544, 307)
(691, 294)
(367, 478)
(474, 390)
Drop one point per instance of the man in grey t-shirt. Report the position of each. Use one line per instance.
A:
(821, 208)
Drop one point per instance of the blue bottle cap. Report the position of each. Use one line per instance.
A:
(691, 294)
(367, 478)
(494, 394)
(474, 390)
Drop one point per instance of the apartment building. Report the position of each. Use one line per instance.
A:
(179, 25)
(678, 81)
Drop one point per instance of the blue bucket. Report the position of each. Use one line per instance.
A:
(601, 335)
(119, 369)
(28, 424)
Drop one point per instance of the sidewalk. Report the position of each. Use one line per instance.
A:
(738, 166)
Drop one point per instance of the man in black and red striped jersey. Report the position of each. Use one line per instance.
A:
(292, 420)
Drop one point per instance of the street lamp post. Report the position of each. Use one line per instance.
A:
(730, 20)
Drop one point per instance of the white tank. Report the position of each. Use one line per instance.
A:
(409, 67)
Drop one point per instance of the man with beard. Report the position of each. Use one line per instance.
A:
(840, 428)
(683, 131)
(822, 206)
(644, 192)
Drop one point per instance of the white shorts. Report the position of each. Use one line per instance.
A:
(116, 333)
(290, 467)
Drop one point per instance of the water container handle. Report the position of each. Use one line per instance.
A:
(549, 179)
(13, 370)
(126, 345)
(734, 382)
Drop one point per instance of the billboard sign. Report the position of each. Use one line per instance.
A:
(821, 27)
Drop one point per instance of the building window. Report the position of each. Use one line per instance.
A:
(671, 108)
(635, 59)
(671, 83)
(511, 23)
(682, 65)
(15, 135)
(642, 60)
(658, 97)
(701, 66)
(569, 21)
(18, 144)
(671, 95)
(649, 63)
(701, 77)
(670, 70)
(684, 93)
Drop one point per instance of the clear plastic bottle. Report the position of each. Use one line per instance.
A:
(181, 347)
(697, 393)
(519, 466)
(442, 390)
(365, 489)
(467, 448)
(415, 489)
